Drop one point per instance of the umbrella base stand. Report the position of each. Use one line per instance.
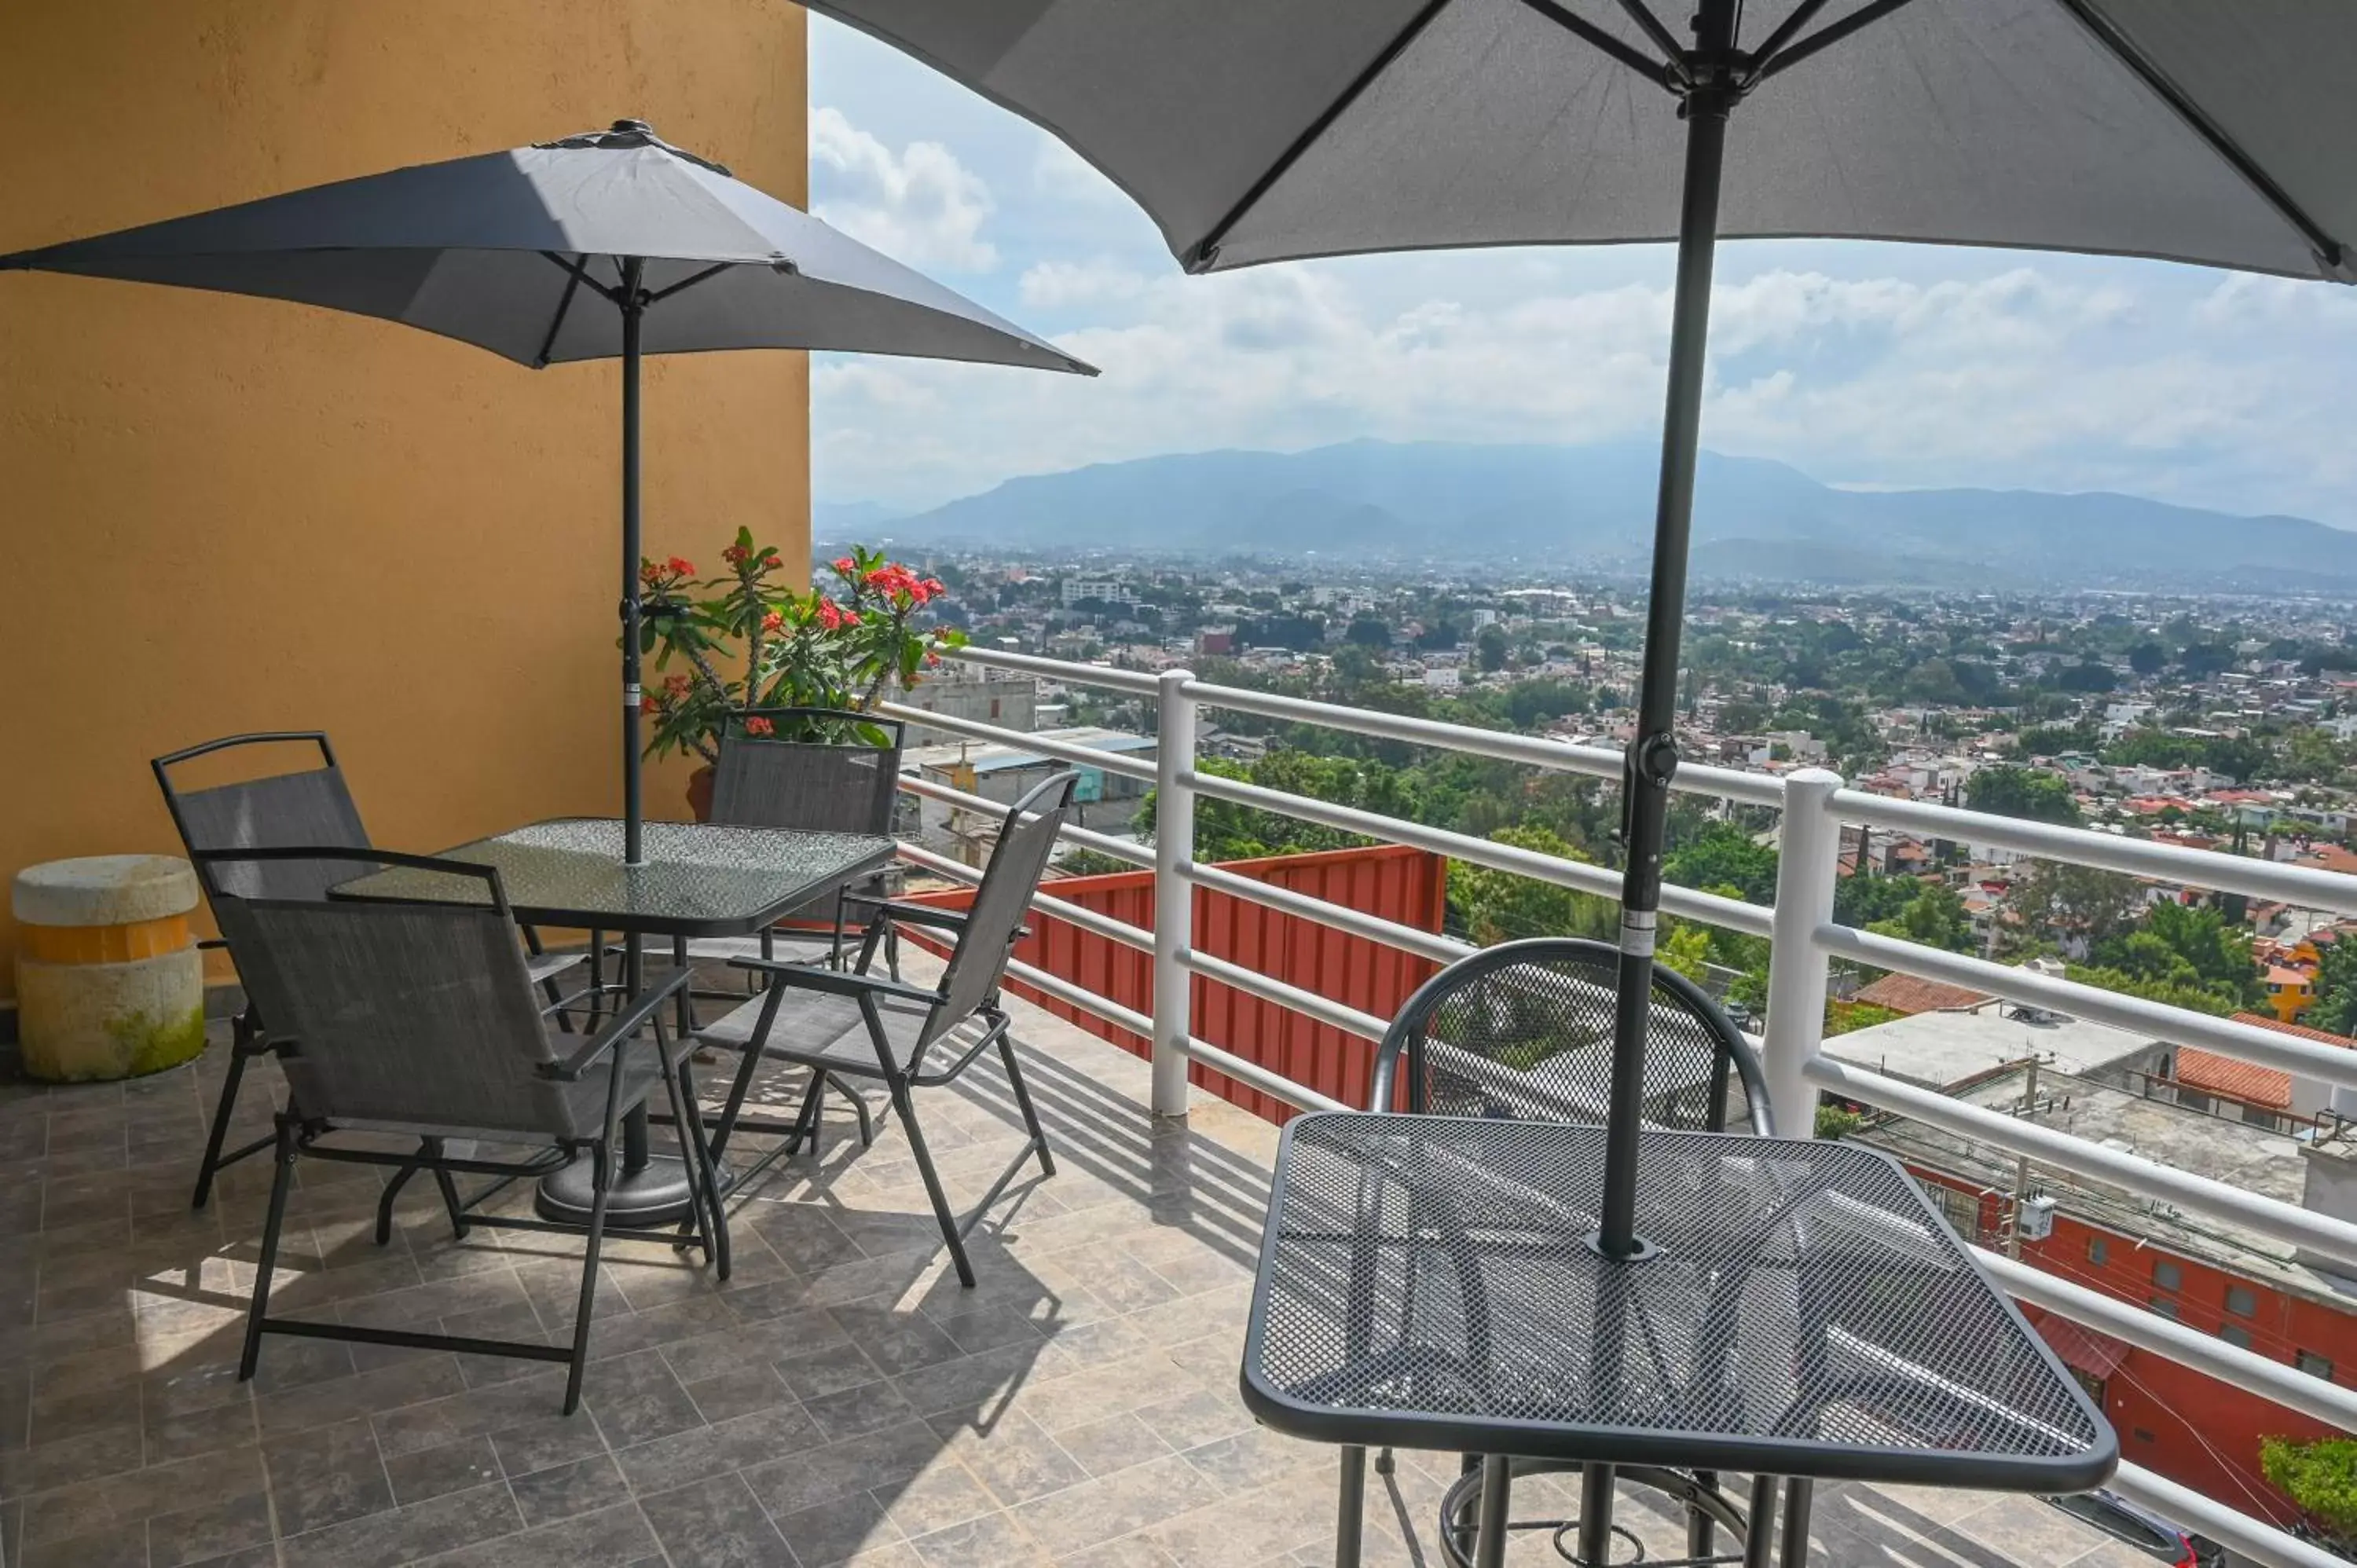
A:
(657, 1193)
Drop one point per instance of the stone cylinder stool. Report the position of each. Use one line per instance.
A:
(109, 981)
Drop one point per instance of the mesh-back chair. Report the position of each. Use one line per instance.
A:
(823, 770)
(858, 1025)
(1523, 1031)
(308, 806)
(421, 1021)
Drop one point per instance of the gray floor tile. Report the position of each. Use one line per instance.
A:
(715, 1523)
(435, 1472)
(566, 1491)
(422, 1530)
(326, 1476)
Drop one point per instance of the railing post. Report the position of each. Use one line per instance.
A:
(1808, 862)
(1174, 896)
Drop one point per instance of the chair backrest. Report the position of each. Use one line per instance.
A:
(415, 1015)
(310, 806)
(820, 768)
(1524, 1030)
(994, 919)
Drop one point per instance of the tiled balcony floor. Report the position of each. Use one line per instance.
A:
(840, 1399)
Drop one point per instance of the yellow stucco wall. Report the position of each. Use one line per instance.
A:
(219, 514)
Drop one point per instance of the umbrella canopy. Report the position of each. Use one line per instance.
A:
(1254, 132)
(1251, 132)
(609, 243)
(495, 250)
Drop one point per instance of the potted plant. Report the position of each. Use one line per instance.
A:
(745, 639)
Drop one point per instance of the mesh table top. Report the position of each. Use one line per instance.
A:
(1427, 1281)
(700, 879)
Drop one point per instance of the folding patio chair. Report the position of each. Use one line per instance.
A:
(310, 806)
(854, 1024)
(420, 1020)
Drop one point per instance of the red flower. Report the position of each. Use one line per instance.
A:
(735, 554)
(649, 706)
(830, 613)
(845, 563)
(851, 617)
(679, 568)
(677, 685)
(932, 585)
(650, 573)
(773, 622)
(759, 727)
(933, 659)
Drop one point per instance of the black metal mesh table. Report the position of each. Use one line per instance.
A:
(700, 879)
(1428, 1281)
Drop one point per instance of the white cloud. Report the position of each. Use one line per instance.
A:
(1060, 285)
(920, 206)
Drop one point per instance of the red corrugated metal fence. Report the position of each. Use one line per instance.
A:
(1407, 886)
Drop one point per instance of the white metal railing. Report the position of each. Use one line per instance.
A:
(1803, 937)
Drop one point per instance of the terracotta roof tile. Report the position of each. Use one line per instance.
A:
(1910, 995)
(2302, 1031)
(2237, 1079)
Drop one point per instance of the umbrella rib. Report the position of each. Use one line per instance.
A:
(564, 303)
(1787, 30)
(688, 283)
(1653, 71)
(1825, 37)
(1651, 26)
(579, 271)
(2328, 251)
(1205, 251)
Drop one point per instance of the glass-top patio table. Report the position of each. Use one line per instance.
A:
(1431, 1282)
(699, 879)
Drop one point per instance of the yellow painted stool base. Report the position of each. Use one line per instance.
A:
(84, 1022)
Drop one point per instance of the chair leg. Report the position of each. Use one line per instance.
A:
(1349, 1523)
(393, 1190)
(711, 1221)
(905, 1104)
(442, 1179)
(600, 1156)
(1023, 1103)
(271, 1225)
(858, 1109)
(240, 1049)
(813, 1112)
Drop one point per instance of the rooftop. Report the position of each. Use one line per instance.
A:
(993, 756)
(1941, 1050)
(839, 1397)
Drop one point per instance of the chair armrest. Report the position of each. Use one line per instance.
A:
(914, 913)
(841, 983)
(627, 1023)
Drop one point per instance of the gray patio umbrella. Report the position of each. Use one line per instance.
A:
(1253, 131)
(609, 243)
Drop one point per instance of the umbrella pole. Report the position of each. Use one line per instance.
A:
(1652, 756)
(633, 308)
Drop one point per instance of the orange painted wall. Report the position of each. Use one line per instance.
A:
(219, 514)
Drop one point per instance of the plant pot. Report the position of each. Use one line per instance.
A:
(699, 793)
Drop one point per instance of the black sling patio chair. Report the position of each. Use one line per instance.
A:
(857, 1025)
(1523, 1031)
(307, 806)
(421, 1021)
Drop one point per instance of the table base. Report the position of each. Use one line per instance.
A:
(654, 1194)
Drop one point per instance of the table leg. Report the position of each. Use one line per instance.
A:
(1759, 1525)
(1489, 1529)
(1794, 1531)
(1596, 1482)
(651, 1190)
(1351, 1522)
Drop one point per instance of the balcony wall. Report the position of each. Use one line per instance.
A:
(227, 514)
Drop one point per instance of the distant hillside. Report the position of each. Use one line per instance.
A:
(1592, 506)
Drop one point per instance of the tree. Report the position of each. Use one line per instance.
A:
(1369, 631)
(2058, 901)
(2336, 991)
(1862, 900)
(2189, 948)
(2010, 791)
(2174, 992)
(2320, 1476)
(1935, 917)
(1489, 648)
(2147, 658)
(1503, 905)
(1723, 856)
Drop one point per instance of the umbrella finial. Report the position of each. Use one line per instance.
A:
(633, 127)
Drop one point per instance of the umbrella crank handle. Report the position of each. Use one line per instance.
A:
(1646, 769)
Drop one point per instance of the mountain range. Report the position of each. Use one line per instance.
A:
(1591, 508)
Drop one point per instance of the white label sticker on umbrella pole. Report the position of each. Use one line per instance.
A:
(1637, 933)
(630, 694)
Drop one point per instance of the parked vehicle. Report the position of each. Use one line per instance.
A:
(2141, 1528)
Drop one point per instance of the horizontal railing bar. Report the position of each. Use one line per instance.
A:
(2303, 887)
(2237, 1532)
(1325, 912)
(1070, 672)
(1752, 788)
(2336, 1239)
(1023, 740)
(1578, 875)
(1088, 838)
(1080, 996)
(2325, 1400)
(2137, 1014)
(1308, 1004)
(1251, 1075)
(1043, 902)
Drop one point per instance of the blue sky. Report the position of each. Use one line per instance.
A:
(1867, 365)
